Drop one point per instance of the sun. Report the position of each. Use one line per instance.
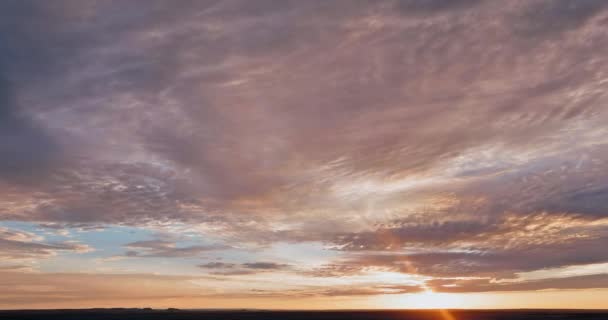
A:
(433, 300)
(427, 299)
(441, 301)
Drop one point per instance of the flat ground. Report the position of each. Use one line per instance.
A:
(140, 314)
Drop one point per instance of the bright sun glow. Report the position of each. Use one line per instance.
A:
(425, 300)
(433, 300)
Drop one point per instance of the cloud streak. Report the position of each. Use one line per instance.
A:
(167, 249)
(18, 246)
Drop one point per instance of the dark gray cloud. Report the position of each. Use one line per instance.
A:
(26, 148)
(167, 249)
(264, 265)
(543, 18)
(431, 6)
(233, 269)
(217, 265)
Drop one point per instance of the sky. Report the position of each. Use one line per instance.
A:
(303, 154)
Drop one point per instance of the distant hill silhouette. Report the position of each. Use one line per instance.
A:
(177, 314)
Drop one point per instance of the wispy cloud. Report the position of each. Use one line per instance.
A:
(17, 245)
(232, 269)
(167, 249)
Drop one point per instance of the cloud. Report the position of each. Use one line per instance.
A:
(217, 265)
(232, 269)
(62, 289)
(375, 290)
(15, 267)
(209, 163)
(264, 265)
(496, 247)
(484, 285)
(540, 18)
(416, 233)
(500, 263)
(27, 149)
(340, 291)
(440, 138)
(17, 245)
(167, 249)
(429, 7)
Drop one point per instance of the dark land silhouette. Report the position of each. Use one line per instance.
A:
(176, 314)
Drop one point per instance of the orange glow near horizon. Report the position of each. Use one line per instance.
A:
(432, 300)
(546, 299)
(566, 299)
(446, 315)
(440, 301)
